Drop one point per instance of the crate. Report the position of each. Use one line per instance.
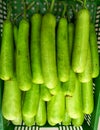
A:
(91, 121)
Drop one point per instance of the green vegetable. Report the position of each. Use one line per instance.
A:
(45, 93)
(55, 90)
(17, 121)
(94, 51)
(87, 97)
(35, 49)
(15, 34)
(15, 42)
(69, 86)
(63, 63)
(74, 103)
(78, 121)
(41, 113)
(7, 51)
(65, 86)
(48, 52)
(11, 102)
(80, 49)
(66, 119)
(31, 101)
(29, 121)
(70, 38)
(23, 61)
(56, 108)
(87, 74)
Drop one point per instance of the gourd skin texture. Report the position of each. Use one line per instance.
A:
(80, 49)
(37, 76)
(48, 52)
(74, 103)
(7, 52)
(45, 93)
(87, 97)
(78, 121)
(56, 108)
(94, 51)
(86, 76)
(70, 38)
(63, 62)
(23, 61)
(31, 101)
(67, 119)
(11, 102)
(69, 86)
(41, 113)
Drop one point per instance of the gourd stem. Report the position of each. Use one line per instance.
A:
(24, 10)
(85, 3)
(27, 8)
(47, 4)
(52, 6)
(64, 10)
(30, 5)
(80, 1)
(74, 11)
(9, 10)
